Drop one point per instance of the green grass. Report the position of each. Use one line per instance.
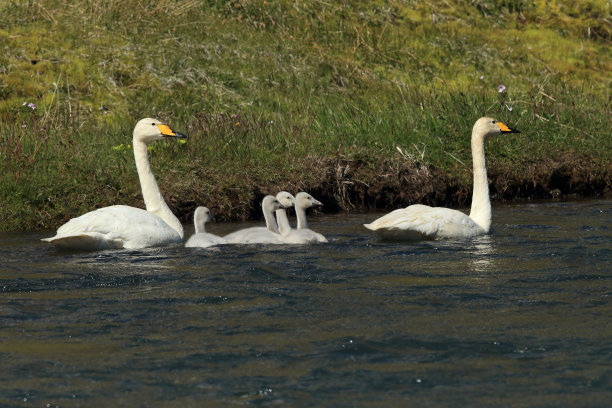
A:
(274, 94)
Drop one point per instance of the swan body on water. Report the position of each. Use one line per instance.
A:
(121, 226)
(421, 222)
(303, 235)
(201, 238)
(260, 235)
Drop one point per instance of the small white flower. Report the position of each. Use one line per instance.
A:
(482, 77)
(501, 88)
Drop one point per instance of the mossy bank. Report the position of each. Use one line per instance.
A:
(366, 104)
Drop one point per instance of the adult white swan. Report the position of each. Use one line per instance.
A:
(418, 222)
(260, 235)
(121, 226)
(201, 238)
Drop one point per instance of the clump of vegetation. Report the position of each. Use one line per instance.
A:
(297, 94)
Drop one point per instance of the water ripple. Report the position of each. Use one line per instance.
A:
(356, 322)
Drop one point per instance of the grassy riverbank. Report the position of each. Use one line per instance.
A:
(298, 95)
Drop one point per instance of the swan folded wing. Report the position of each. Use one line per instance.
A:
(116, 226)
(413, 222)
(303, 236)
(418, 222)
(204, 240)
(254, 235)
(458, 225)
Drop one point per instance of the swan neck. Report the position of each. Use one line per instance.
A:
(270, 221)
(153, 199)
(481, 203)
(200, 227)
(283, 222)
(300, 213)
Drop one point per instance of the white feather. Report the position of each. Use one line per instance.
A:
(121, 226)
(201, 238)
(418, 222)
(260, 235)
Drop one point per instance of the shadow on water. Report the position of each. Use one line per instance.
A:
(356, 322)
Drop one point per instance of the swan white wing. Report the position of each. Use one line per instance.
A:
(254, 235)
(117, 226)
(418, 222)
(303, 236)
(204, 240)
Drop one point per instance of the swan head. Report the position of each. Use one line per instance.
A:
(202, 215)
(286, 199)
(305, 200)
(485, 127)
(271, 204)
(148, 130)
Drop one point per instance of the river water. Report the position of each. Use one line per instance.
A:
(519, 318)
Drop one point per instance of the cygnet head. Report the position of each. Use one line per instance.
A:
(148, 130)
(485, 127)
(305, 200)
(200, 217)
(270, 203)
(286, 199)
(202, 214)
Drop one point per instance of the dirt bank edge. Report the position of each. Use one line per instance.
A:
(356, 185)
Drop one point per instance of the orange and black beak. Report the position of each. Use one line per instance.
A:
(506, 129)
(167, 132)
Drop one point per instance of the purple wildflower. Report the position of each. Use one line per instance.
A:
(501, 88)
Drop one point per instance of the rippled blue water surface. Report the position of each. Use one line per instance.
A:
(518, 318)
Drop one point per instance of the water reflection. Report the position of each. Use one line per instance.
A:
(355, 322)
(482, 259)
